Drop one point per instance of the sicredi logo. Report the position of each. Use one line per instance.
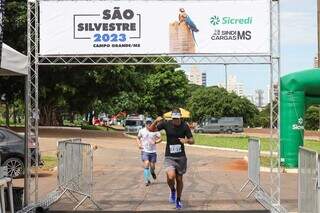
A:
(227, 20)
(299, 125)
(214, 20)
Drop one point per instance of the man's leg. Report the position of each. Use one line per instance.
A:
(181, 169)
(179, 186)
(171, 177)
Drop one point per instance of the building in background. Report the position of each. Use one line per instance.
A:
(316, 62)
(204, 79)
(234, 86)
(274, 90)
(195, 76)
(259, 102)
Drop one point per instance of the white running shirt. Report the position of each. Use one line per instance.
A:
(148, 140)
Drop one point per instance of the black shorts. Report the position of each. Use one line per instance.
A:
(179, 164)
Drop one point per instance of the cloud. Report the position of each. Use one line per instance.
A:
(298, 28)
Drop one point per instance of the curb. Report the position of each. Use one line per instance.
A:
(59, 127)
(263, 153)
(130, 136)
(284, 170)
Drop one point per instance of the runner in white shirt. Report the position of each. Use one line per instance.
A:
(147, 143)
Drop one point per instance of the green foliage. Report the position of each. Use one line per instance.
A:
(311, 118)
(15, 28)
(124, 101)
(263, 119)
(147, 89)
(15, 24)
(217, 102)
(91, 127)
(312, 121)
(164, 90)
(111, 89)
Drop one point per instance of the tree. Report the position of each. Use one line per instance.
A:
(11, 89)
(312, 118)
(15, 25)
(263, 119)
(151, 89)
(217, 102)
(14, 34)
(164, 90)
(124, 102)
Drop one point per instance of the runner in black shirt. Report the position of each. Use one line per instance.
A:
(175, 162)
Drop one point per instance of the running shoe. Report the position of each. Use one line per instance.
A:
(154, 176)
(178, 204)
(148, 183)
(172, 197)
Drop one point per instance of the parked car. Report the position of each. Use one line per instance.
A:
(104, 118)
(220, 125)
(12, 152)
(134, 123)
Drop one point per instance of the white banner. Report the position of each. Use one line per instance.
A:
(154, 27)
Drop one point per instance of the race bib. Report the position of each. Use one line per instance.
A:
(175, 148)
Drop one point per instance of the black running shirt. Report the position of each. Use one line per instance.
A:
(174, 147)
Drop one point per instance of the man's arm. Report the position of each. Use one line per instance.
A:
(153, 126)
(187, 140)
(188, 136)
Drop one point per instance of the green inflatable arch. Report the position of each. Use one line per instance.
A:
(297, 92)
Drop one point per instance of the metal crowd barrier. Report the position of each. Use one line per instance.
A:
(75, 175)
(308, 187)
(260, 194)
(253, 165)
(75, 170)
(5, 181)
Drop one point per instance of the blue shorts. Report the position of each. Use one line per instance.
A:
(151, 157)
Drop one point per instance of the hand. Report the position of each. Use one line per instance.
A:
(184, 140)
(158, 119)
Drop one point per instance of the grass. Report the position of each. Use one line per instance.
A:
(76, 123)
(265, 161)
(50, 162)
(92, 127)
(242, 142)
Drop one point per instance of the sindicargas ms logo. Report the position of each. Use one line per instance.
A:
(215, 20)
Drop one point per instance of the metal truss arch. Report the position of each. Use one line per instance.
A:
(36, 60)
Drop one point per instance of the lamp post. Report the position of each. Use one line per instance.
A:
(226, 76)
